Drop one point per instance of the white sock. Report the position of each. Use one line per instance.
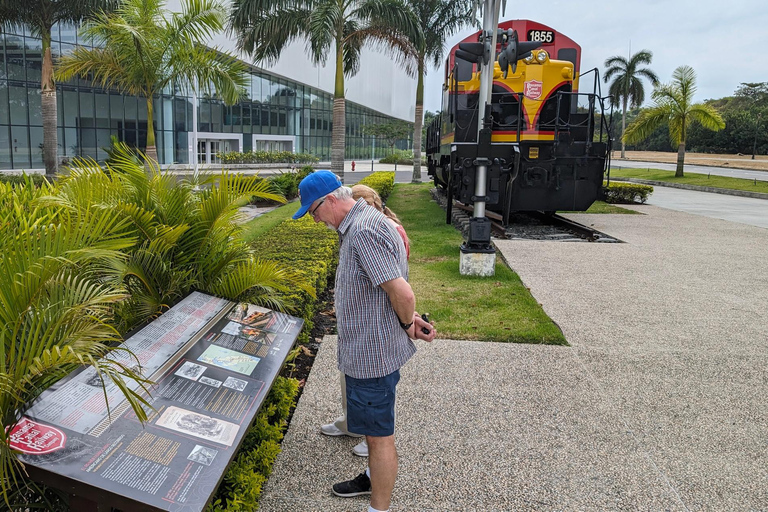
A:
(368, 474)
(371, 509)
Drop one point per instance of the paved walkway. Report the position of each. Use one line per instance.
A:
(659, 404)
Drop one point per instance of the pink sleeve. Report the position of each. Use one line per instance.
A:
(407, 242)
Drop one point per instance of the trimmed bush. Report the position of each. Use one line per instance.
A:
(627, 193)
(287, 183)
(311, 250)
(267, 157)
(381, 182)
(240, 489)
(401, 157)
(22, 179)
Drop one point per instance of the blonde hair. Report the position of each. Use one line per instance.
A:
(372, 198)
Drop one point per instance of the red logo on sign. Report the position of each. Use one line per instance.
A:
(35, 438)
(532, 89)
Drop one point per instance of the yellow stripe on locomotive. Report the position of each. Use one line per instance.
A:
(538, 78)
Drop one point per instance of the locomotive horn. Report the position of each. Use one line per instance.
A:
(515, 51)
(474, 52)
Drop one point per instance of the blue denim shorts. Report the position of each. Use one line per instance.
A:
(371, 405)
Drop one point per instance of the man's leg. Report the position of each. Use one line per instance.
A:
(382, 461)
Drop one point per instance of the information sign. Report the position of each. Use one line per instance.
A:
(212, 363)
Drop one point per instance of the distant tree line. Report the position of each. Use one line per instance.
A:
(746, 121)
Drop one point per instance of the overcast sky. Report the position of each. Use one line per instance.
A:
(725, 42)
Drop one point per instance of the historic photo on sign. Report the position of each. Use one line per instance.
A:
(198, 425)
(190, 370)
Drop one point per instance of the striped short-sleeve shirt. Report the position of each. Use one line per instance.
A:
(371, 342)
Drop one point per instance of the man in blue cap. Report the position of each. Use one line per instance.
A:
(376, 320)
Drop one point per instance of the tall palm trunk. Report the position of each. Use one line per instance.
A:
(338, 140)
(151, 147)
(418, 123)
(680, 160)
(623, 128)
(48, 105)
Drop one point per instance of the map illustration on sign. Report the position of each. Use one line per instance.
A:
(229, 359)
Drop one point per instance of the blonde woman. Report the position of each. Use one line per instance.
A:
(339, 427)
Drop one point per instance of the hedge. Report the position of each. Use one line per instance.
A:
(240, 489)
(381, 182)
(22, 179)
(308, 248)
(402, 157)
(267, 157)
(627, 193)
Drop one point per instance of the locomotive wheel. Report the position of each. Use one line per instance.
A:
(449, 196)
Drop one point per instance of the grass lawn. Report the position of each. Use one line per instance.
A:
(263, 223)
(498, 308)
(693, 179)
(603, 207)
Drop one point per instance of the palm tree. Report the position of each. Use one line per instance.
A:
(265, 27)
(438, 19)
(627, 88)
(674, 105)
(40, 17)
(144, 50)
(57, 308)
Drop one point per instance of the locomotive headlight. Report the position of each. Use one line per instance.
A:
(542, 56)
(529, 58)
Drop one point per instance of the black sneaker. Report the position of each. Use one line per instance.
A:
(358, 486)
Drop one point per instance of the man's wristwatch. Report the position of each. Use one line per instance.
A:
(405, 326)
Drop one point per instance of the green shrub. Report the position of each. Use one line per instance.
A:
(267, 157)
(311, 250)
(240, 489)
(381, 182)
(23, 179)
(627, 193)
(401, 157)
(287, 183)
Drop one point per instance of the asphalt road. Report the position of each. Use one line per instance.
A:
(697, 169)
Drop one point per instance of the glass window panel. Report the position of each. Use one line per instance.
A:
(34, 55)
(180, 114)
(36, 145)
(68, 33)
(5, 147)
(17, 98)
(168, 147)
(20, 145)
(130, 108)
(103, 142)
(3, 102)
(167, 113)
(204, 116)
(59, 107)
(116, 107)
(14, 53)
(66, 49)
(102, 110)
(255, 89)
(142, 103)
(88, 142)
(182, 152)
(216, 116)
(2, 57)
(69, 142)
(86, 109)
(35, 106)
(264, 89)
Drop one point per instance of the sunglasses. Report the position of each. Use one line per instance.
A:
(312, 212)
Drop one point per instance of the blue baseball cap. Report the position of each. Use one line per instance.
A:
(313, 187)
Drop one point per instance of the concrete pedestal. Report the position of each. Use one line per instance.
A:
(477, 263)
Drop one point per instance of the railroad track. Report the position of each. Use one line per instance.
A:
(541, 226)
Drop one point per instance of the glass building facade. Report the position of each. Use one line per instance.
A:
(276, 113)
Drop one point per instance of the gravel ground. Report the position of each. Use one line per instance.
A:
(659, 404)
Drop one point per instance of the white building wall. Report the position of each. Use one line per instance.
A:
(381, 84)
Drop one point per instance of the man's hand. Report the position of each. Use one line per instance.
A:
(415, 331)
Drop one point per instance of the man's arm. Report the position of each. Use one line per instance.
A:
(404, 303)
(401, 296)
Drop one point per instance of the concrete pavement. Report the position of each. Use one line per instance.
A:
(659, 404)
